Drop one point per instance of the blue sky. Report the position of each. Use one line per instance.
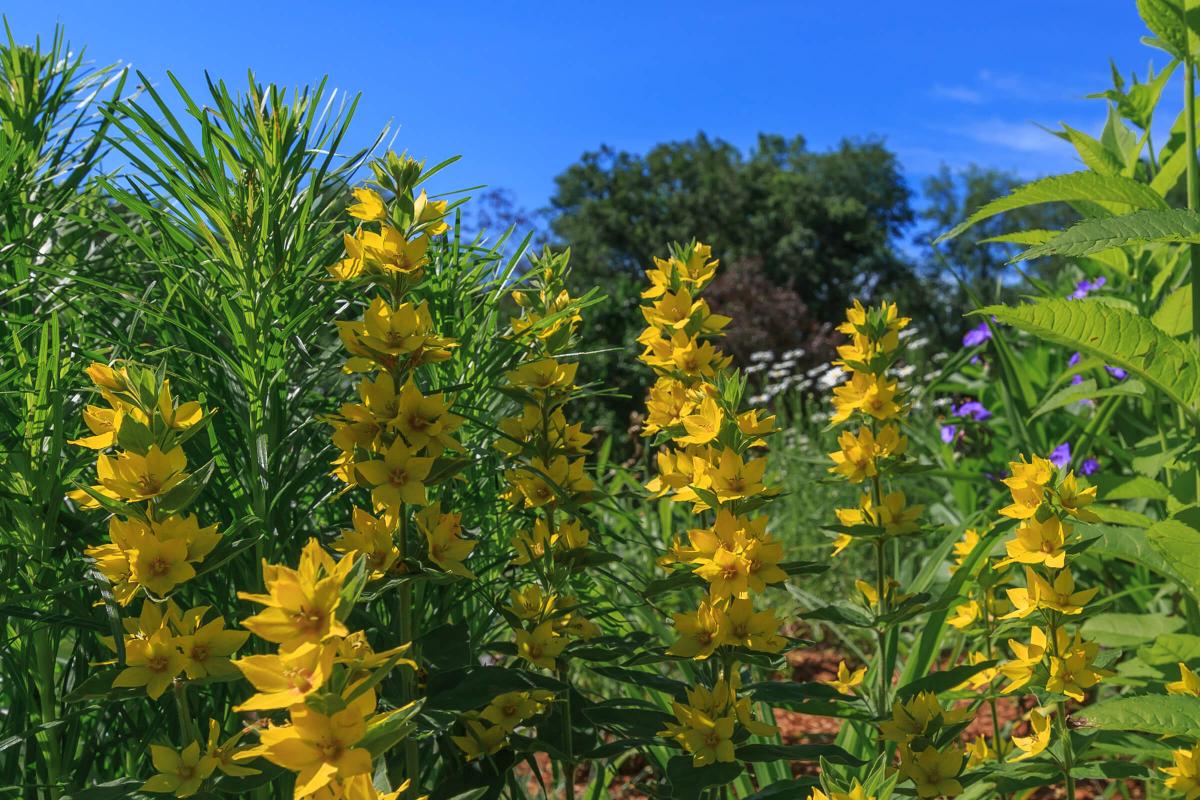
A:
(521, 89)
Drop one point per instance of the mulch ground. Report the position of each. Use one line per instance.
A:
(819, 664)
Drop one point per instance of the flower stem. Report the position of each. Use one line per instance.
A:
(412, 768)
(1068, 763)
(567, 741)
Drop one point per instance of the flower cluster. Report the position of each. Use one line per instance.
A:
(1051, 661)
(143, 480)
(714, 462)
(323, 676)
(872, 400)
(396, 442)
(393, 441)
(927, 737)
(548, 489)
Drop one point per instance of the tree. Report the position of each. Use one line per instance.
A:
(821, 225)
(952, 195)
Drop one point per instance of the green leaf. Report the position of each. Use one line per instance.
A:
(689, 782)
(1171, 648)
(1174, 316)
(1160, 226)
(1089, 186)
(1086, 390)
(1179, 544)
(1162, 715)
(796, 752)
(181, 495)
(944, 680)
(1164, 18)
(784, 790)
(1120, 338)
(1129, 630)
(1132, 488)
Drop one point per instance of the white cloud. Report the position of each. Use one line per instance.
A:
(1023, 137)
(959, 94)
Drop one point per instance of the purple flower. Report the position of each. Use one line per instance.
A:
(1076, 379)
(949, 432)
(977, 335)
(973, 409)
(1089, 466)
(1074, 359)
(1117, 373)
(1086, 287)
(1061, 455)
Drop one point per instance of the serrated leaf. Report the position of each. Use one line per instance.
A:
(1159, 226)
(1164, 18)
(1118, 337)
(1074, 186)
(1162, 715)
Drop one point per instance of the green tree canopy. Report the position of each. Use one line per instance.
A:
(821, 223)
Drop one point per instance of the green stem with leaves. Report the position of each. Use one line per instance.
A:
(1068, 760)
(1193, 201)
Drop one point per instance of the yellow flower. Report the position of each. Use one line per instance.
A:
(932, 771)
(668, 402)
(423, 420)
(160, 566)
(224, 754)
(285, 679)
(756, 630)
(704, 424)
(964, 614)
(369, 206)
(918, 716)
(980, 679)
(1027, 657)
(541, 645)
(874, 395)
(1188, 683)
(447, 548)
(1039, 593)
(152, 662)
(208, 649)
(528, 602)
(727, 573)
(546, 375)
(709, 740)
(1185, 773)
(135, 478)
(846, 681)
(1032, 745)
(177, 418)
(103, 423)
(481, 740)
(1072, 672)
(1038, 542)
(964, 548)
(180, 773)
(320, 747)
(1027, 484)
(682, 354)
(732, 478)
(397, 478)
(372, 539)
(389, 252)
(507, 711)
(301, 604)
(701, 632)
(1075, 501)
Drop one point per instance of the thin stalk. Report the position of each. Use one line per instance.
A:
(1193, 203)
(567, 742)
(48, 705)
(881, 599)
(412, 762)
(1063, 729)
(187, 730)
